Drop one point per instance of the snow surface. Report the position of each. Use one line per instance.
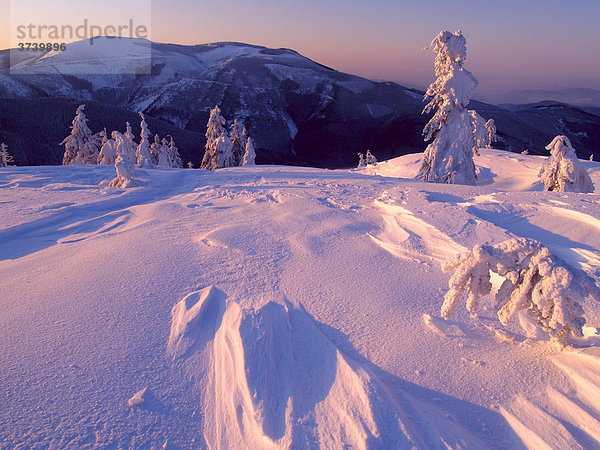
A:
(270, 306)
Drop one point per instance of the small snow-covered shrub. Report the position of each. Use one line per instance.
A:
(249, 154)
(535, 281)
(124, 165)
(370, 159)
(5, 158)
(562, 171)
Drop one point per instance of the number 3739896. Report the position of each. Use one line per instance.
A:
(42, 46)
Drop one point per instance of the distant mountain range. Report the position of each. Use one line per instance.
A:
(581, 97)
(298, 111)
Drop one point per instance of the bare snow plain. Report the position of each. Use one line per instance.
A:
(282, 307)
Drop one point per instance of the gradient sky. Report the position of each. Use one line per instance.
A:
(512, 44)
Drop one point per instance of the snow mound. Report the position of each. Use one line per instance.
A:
(194, 319)
(272, 379)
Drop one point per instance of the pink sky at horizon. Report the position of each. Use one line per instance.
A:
(545, 44)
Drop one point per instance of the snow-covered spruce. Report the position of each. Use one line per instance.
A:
(214, 130)
(124, 165)
(156, 149)
(222, 154)
(108, 151)
(449, 158)
(562, 171)
(169, 155)
(5, 158)
(535, 281)
(490, 127)
(370, 159)
(239, 138)
(361, 161)
(81, 146)
(130, 145)
(249, 154)
(143, 155)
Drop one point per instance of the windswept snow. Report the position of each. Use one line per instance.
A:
(270, 306)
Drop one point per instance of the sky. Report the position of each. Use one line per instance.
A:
(512, 44)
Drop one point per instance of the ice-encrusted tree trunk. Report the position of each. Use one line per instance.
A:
(76, 144)
(249, 154)
(143, 155)
(449, 158)
(123, 164)
(5, 158)
(238, 137)
(215, 128)
(562, 171)
(535, 281)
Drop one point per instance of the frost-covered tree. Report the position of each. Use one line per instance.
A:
(480, 135)
(223, 154)
(78, 148)
(123, 163)
(370, 159)
(490, 127)
(130, 146)
(239, 138)
(249, 154)
(108, 151)
(143, 155)
(562, 171)
(535, 281)
(169, 155)
(591, 157)
(214, 130)
(361, 161)
(155, 149)
(5, 158)
(449, 158)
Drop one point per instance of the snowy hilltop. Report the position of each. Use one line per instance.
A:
(291, 307)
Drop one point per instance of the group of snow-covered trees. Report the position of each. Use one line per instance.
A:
(5, 158)
(225, 149)
(459, 132)
(84, 147)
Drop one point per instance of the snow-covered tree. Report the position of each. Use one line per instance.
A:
(123, 164)
(562, 171)
(143, 155)
(449, 158)
(591, 157)
(249, 154)
(108, 151)
(77, 146)
(370, 159)
(480, 135)
(361, 161)
(214, 130)
(490, 126)
(239, 138)
(535, 281)
(5, 158)
(169, 155)
(155, 149)
(130, 146)
(223, 152)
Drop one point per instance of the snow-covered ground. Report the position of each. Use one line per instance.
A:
(278, 306)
